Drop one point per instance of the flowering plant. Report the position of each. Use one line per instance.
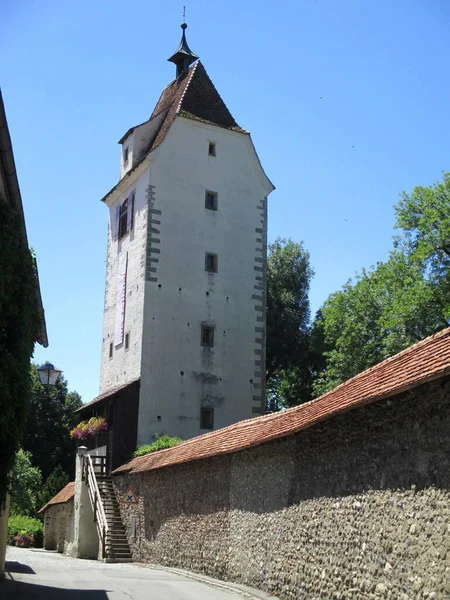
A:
(23, 539)
(85, 429)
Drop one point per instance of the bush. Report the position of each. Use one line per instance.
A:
(25, 526)
(165, 441)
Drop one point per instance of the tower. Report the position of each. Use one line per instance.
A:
(184, 315)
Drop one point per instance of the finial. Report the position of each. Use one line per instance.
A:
(184, 56)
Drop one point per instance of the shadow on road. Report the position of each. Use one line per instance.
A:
(10, 589)
(12, 566)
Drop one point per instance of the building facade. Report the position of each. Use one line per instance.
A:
(185, 278)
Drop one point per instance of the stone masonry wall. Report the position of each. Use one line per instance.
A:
(357, 507)
(58, 526)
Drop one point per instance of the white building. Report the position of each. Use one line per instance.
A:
(185, 277)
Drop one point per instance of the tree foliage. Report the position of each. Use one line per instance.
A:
(26, 485)
(50, 418)
(56, 481)
(396, 303)
(288, 374)
(18, 326)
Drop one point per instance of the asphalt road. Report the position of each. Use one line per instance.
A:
(33, 574)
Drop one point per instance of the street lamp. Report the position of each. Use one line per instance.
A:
(49, 374)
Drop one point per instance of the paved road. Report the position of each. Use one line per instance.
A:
(33, 574)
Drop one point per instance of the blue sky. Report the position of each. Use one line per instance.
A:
(347, 103)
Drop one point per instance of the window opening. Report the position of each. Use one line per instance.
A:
(207, 418)
(207, 338)
(211, 262)
(212, 149)
(211, 200)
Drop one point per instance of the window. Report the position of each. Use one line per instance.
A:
(207, 418)
(127, 340)
(212, 149)
(211, 200)
(124, 217)
(125, 155)
(207, 336)
(111, 350)
(211, 262)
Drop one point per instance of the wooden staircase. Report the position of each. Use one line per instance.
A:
(111, 532)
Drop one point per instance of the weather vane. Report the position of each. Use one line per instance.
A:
(184, 14)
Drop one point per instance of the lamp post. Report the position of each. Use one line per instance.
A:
(49, 375)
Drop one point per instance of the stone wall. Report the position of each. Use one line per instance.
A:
(356, 507)
(58, 526)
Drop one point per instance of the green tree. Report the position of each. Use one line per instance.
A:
(57, 479)
(50, 418)
(288, 374)
(19, 320)
(26, 485)
(398, 302)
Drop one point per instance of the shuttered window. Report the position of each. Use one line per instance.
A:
(124, 217)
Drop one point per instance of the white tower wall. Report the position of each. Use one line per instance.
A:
(178, 374)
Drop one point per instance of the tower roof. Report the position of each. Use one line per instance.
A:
(193, 96)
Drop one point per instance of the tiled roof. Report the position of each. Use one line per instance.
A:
(425, 361)
(61, 497)
(106, 395)
(193, 96)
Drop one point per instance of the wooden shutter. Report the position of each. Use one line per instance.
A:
(130, 211)
(116, 223)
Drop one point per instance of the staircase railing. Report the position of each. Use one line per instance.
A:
(89, 477)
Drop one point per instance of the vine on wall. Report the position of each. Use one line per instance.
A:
(19, 321)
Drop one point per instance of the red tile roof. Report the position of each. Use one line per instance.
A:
(425, 361)
(61, 497)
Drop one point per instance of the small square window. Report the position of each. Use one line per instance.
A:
(212, 149)
(127, 340)
(211, 200)
(207, 418)
(111, 350)
(207, 338)
(125, 155)
(211, 262)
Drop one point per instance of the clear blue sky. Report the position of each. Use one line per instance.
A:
(76, 75)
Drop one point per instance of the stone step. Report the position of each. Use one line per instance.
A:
(121, 555)
(118, 560)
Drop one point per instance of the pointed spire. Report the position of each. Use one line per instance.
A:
(184, 56)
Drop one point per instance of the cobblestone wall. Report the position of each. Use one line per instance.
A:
(357, 507)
